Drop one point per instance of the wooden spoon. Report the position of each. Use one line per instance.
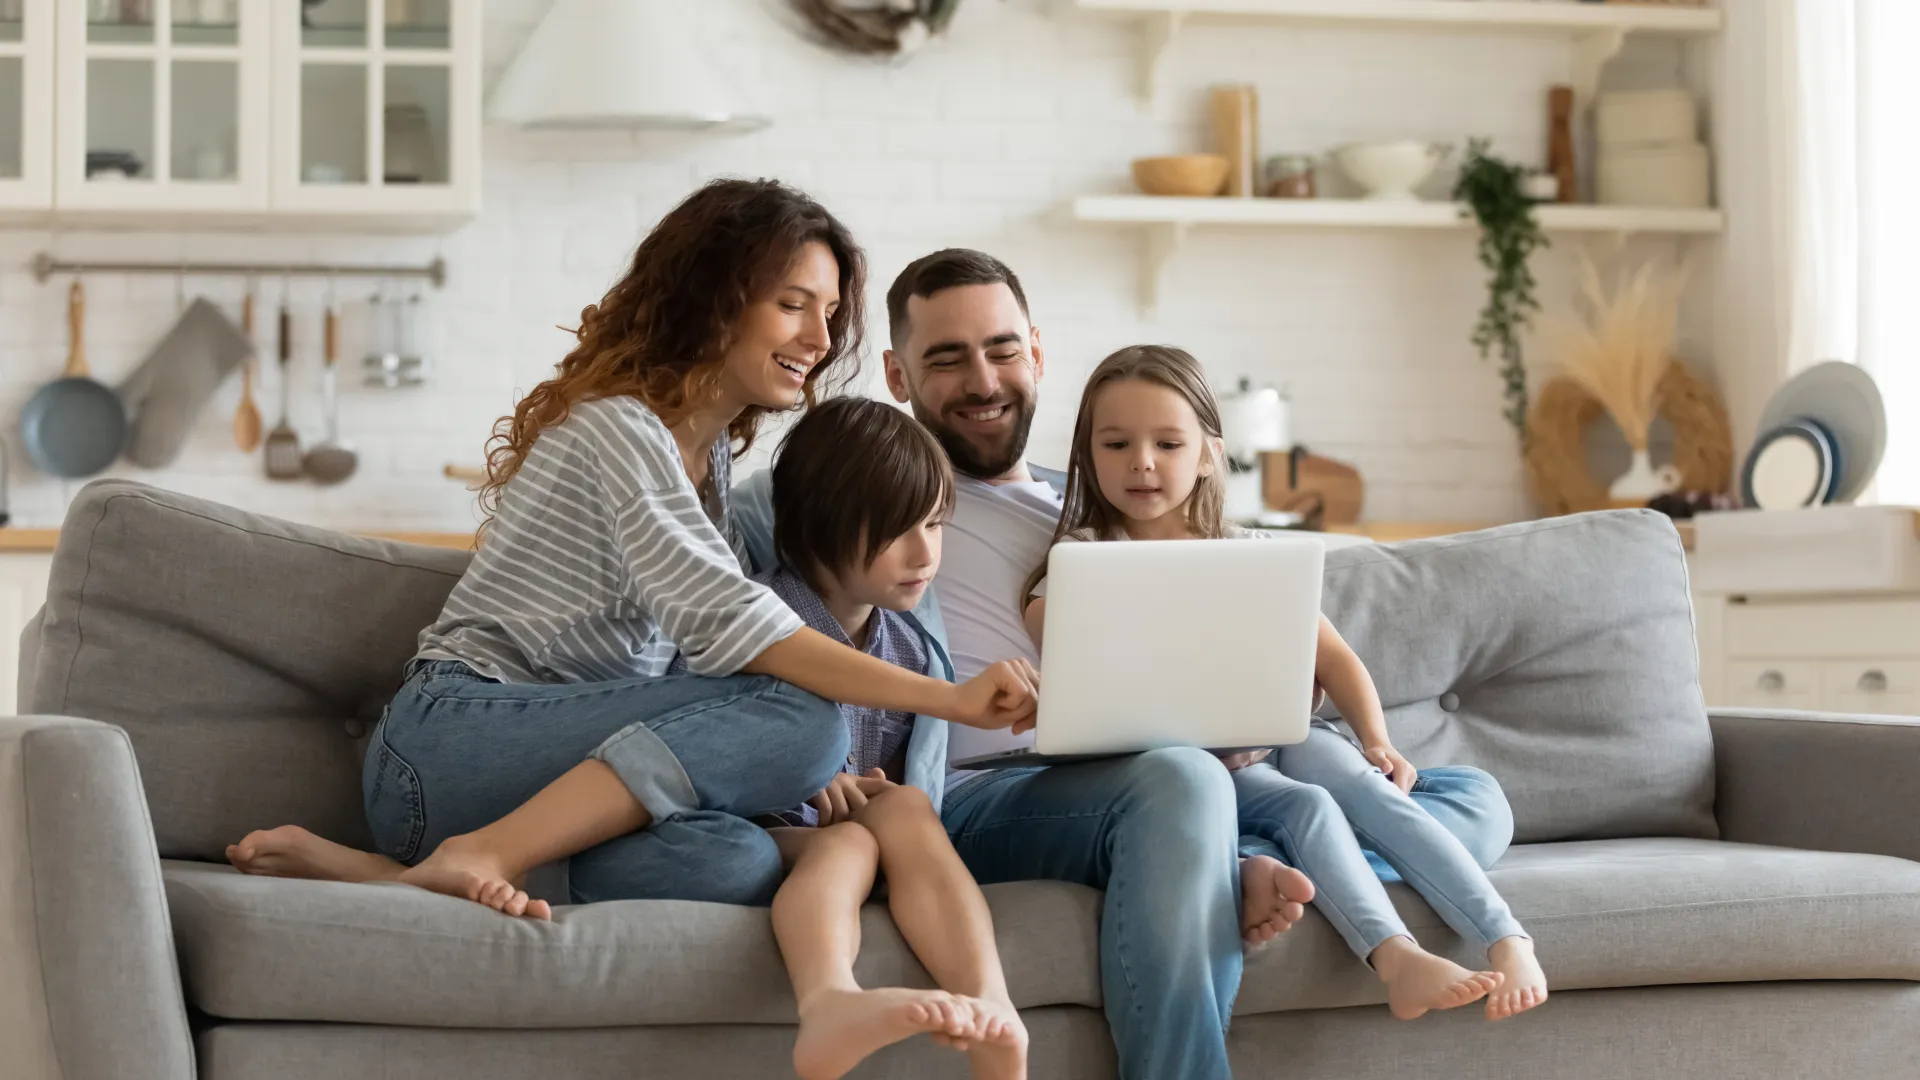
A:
(246, 419)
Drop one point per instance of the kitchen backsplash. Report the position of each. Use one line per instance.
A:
(977, 141)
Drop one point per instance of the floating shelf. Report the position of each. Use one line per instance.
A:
(1600, 30)
(1166, 221)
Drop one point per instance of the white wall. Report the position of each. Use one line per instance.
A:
(977, 141)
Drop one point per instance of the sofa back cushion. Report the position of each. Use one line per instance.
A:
(247, 658)
(1558, 655)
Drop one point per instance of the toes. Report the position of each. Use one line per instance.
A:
(921, 1013)
(539, 909)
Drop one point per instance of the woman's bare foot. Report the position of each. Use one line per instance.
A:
(1524, 985)
(1001, 1053)
(1418, 981)
(1273, 896)
(841, 1028)
(462, 869)
(291, 851)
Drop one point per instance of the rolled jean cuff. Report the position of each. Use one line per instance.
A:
(643, 762)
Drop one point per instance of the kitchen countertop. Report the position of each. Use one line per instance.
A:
(43, 540)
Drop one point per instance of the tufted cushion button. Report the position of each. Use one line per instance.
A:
(356, 728)
(1449, 701)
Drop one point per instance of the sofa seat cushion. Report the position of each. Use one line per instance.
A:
(1649, 912)
(1606, 913)
(256, 948)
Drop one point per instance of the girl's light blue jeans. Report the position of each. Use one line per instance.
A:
(457, 751)
(1314, 805)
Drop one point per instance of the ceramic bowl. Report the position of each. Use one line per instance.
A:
(1192, 175)
(1390, 171)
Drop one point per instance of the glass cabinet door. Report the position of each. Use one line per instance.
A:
(168, 103)
(26, 104)
(384, 104)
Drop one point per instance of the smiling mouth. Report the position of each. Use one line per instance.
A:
(794, 366)
(984, 415)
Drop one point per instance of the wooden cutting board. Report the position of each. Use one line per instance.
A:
(1292, 478)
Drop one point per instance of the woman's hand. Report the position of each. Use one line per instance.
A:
(1388, 760)
(847, 794)
(1003, 696)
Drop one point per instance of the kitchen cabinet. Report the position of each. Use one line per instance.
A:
(250, 113)
(377, 108)
(26, 105)
(1840, 653)
(23, 588)
(162, 105)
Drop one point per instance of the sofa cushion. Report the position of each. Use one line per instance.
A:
(1558, 655)
(277, 949)
(246, 657)
(1605, 913)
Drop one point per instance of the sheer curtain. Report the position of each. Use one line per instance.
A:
(1888, 32)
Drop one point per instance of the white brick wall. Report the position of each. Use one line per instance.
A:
(977, 141)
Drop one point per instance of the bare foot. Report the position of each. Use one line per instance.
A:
(467, 871)
(1525, 984)
(1001, 1053)
(1418, 981)
(841, 1028)
(291, 851)
(1273, 896)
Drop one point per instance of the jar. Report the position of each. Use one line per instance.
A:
(1290, 176)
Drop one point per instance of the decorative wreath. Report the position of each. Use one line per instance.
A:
(877, 27)
(1556, 454)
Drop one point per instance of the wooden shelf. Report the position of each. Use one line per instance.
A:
(1166, 221)
(1598, 30)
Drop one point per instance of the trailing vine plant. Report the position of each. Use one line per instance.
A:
(1509, 235)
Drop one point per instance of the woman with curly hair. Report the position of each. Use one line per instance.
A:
(538, 720)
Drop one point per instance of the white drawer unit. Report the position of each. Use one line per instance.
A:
(1773, 684)
(1858, 654)
(1883, 687)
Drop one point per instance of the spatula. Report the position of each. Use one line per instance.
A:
(283, 443)
(332, 461)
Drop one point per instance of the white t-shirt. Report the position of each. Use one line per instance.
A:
(999, 533)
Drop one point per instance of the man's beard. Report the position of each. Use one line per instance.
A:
(971, 460)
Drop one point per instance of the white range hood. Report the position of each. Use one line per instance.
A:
(621, 65)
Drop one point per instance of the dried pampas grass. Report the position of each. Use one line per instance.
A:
(1622, 350)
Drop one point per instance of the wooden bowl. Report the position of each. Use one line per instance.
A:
(1191, 175)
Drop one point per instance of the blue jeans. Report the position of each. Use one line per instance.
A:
(1317, 802)
(457, 751)
(1157, 832)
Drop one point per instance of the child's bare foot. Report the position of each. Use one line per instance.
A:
(841, 1028)
(465, 870)
(1524, 985)
(1418, 981)
(1273, 896)
(1001, 1053)
(291, 851)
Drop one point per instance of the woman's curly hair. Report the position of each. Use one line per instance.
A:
(661, 332)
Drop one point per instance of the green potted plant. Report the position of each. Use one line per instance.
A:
(1495, 192)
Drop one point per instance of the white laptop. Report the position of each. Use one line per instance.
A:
(1151, 644)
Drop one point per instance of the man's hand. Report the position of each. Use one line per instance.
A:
(1388, 760)
(1236, 762)
(847, 794)
(1003, 696)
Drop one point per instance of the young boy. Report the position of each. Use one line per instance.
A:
(858, 532)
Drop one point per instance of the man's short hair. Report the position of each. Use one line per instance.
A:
(943, 270)
(853, 476)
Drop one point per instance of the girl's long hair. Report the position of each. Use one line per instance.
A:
(1087, 514)
(661, 333)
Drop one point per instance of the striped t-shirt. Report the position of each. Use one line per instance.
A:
(603, 561)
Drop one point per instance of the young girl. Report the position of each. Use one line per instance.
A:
(1144, 464)
(859, 539)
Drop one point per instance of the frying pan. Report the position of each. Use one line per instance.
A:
(74, 426)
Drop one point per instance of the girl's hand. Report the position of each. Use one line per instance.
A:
(846, 795)
(1236, 762)
(1388, 760)
(1003, 696)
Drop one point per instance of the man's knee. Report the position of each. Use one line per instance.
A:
(1181, 790)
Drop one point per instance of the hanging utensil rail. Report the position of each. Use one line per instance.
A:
(44, 266)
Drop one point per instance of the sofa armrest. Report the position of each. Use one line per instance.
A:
(1814, 780)
(89, 987)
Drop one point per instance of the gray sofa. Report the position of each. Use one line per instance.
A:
(1715, 896)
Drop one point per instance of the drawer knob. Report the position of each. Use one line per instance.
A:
(1772, 682)
(1872, 682)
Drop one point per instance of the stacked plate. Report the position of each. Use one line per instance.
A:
(1822, 437)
